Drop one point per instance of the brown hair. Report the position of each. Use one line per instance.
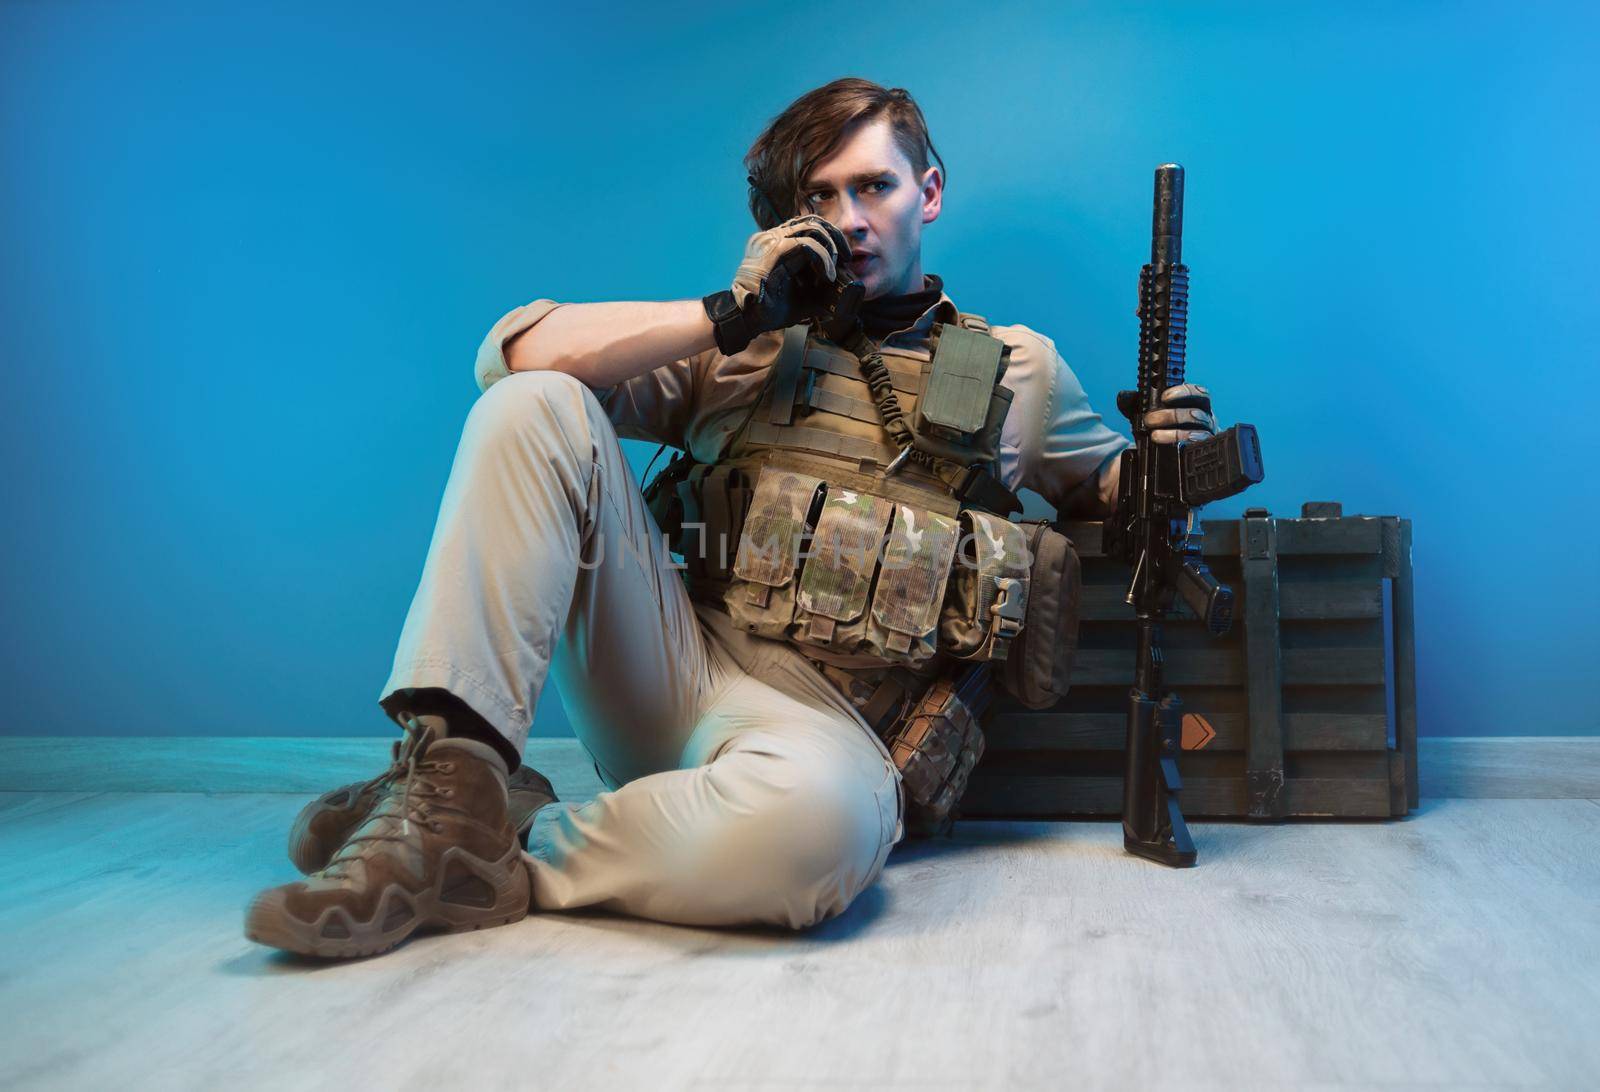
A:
(816, 123)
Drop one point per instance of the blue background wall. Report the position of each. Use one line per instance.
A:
(248, 257)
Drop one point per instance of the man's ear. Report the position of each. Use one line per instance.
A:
(932, 195)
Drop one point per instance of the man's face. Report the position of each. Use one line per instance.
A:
(867, 190)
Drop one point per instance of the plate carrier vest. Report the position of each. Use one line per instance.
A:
(817, 528)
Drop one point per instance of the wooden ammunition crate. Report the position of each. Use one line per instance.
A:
(1307, 707)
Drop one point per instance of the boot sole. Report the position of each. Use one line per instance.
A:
(269, 922)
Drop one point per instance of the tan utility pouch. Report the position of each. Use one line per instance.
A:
(761, 596)
(989, 589)
(837, 577)
(868, 579)
(1038, 668)
(911, 586)
(858, 537)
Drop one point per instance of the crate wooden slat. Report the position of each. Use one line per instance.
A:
(1027, 729)
(1334, 599)
(1306, 708)
(1225, 666)
(1041, 798)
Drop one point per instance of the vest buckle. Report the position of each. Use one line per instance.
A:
(979, 488)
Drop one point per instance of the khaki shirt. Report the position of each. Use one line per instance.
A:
(1053, 443)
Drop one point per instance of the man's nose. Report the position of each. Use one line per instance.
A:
(849, 219)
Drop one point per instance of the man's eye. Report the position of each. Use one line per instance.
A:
(823, 196)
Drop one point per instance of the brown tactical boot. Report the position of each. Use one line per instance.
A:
(328, 821)
(436, 851)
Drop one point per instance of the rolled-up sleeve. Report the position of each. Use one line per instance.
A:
(491, 366)
(1053, 442)
(655, 406)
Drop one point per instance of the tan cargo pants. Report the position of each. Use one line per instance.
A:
(744, 788)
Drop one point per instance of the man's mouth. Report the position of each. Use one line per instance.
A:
(859, 262)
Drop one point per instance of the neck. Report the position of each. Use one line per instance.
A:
(884, 315)
(911, 283)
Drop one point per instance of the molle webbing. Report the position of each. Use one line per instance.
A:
(875, 370)
(795, 382)
(856, 404)
(821, 442)
(905, 380)
(786, 377)
(817, 402)
(909, 489)
(858, 409)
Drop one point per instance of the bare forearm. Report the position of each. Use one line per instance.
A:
(608, 343)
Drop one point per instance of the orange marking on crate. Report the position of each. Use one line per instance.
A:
(1197, 732)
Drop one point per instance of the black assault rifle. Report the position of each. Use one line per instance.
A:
(1154, 531)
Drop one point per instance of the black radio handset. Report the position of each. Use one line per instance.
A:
(842, 312)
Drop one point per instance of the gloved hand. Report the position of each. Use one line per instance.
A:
(1185, 413)
(787, 276)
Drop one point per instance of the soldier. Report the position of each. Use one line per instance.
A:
(729, 706)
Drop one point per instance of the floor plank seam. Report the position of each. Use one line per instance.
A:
(78, 797)
(1452, 768)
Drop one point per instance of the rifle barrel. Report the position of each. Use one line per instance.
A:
(1166, 232)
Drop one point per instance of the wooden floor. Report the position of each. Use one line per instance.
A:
(1459, 947)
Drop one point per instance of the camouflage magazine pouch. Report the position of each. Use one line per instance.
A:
(916, 566)
(1038, 668)
(936, 743)
(989, 588)
(838, 571)
(761, 597)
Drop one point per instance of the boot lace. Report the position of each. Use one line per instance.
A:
(418, 797)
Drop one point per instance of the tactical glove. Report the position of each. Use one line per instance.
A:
(788, 276)
(1185, 414)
